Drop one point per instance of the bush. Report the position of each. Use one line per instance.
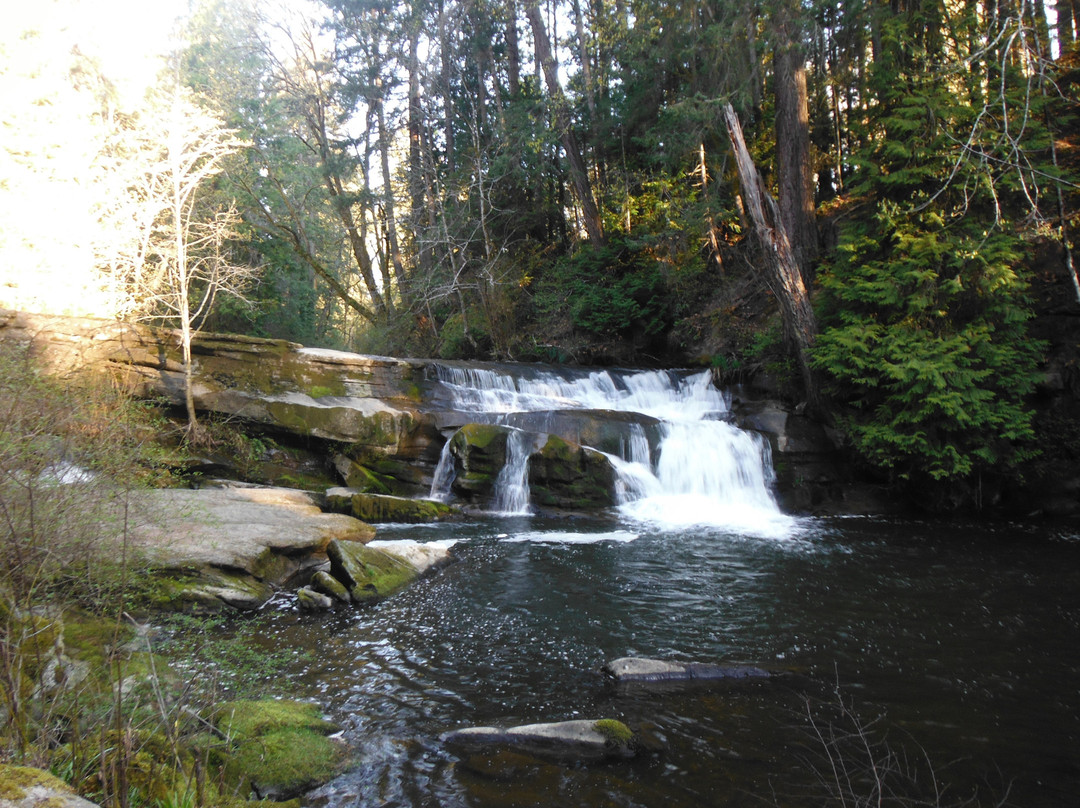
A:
(924, 340)
(610, 291)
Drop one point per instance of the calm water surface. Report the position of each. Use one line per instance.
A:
(959, 641)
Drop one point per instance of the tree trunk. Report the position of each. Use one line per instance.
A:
(513, 51)
(448, 98)
(781, 271)
(391, 218)
(578, 173)
(796, 190)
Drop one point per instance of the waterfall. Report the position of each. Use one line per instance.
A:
(512, 484)
(444, 475)
(678, 460)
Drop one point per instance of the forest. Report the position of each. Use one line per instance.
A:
(562, 181)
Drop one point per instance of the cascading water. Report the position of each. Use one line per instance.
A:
(697, 468)
(512, 484)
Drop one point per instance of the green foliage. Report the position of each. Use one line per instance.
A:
(924, 340)
(615, 290)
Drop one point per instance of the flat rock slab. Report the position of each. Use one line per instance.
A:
(238, 528)
(567, 741)
(643, 671)
(421, 556)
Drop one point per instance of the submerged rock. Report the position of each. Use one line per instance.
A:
(565, 741)
(641, 671)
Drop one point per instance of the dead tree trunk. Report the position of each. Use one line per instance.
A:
(781, 269)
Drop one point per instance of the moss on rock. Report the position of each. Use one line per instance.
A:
(375, 508)
(15, 781)
(566, 475)
(369, 574)
(479, 452)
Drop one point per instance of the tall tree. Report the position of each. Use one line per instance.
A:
(560, 110)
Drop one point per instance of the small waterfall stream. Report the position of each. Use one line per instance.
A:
(678, 459)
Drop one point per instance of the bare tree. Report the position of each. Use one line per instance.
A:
(179, 260)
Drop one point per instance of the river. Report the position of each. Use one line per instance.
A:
(911, 654)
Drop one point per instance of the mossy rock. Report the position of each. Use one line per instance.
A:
(25, 786)
(615, 731)
(278, 749)
(250, 719)
(479, 452)
(369, 574)
(206, 591)
(326, 583)
(93, 639)
(374, 508)
(358, 477)
(572, 477)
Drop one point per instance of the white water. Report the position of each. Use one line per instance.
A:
(702, 471)
(512, 484)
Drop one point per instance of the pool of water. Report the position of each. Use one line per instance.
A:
(954, 645)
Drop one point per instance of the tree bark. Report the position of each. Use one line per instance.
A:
(579, 176)
(513, 51)
(781, 270)
(796, 191)
(448, 98)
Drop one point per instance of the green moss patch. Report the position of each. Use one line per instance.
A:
(278, 748)
(250, 719)
(16, 780)
(615, 731)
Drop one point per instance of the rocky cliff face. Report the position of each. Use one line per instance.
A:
(371, 407)
(382, 421)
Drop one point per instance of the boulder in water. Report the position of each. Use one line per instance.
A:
(641, 671)
(571, 477)
(311, 601)
(322, 581)
(421, 556)
(564, 741)
(368, 573)
(479, 452)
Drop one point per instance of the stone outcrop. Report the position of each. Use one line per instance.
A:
(567, 476)
(374, 508)
(380, 422)
(813, 471)
(234, 546)
(564, 741)
(369, 403)
(479, 452)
